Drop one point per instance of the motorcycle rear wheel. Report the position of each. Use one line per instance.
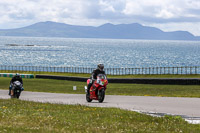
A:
(101, 95)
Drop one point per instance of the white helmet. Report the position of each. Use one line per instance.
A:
(17, 74)
(100, 67)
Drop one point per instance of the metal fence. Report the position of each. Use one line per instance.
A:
(110, 71)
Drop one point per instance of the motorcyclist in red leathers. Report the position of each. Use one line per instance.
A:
(94, 74)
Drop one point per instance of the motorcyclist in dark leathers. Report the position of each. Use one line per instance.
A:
(94, 74)
(17, 77)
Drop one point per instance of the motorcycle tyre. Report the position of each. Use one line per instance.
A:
(15, 96)
(101, 95)
(18, 94)
(88, 98)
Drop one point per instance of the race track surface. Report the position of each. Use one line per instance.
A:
(188, 108)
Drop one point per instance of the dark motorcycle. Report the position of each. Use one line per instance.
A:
(97, 90)
(16, 89)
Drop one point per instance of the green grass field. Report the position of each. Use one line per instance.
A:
(18, 116)
(22, 116)
(64, 86)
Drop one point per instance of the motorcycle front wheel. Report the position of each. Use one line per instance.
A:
(14, 96)
(88, 98)
(101, 95)
(17, 96)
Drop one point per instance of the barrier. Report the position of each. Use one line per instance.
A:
(13, 74)
(81, 79)
(166, 81)
(161, 81)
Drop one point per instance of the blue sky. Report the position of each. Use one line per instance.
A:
(168, 15)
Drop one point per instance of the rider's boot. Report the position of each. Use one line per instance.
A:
(12, 92)
(9, 92)
(10, 87)
(88, 90)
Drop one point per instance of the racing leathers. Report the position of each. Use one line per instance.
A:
(94, 77)
(15, 78)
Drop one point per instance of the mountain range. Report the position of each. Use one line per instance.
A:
(120, 31)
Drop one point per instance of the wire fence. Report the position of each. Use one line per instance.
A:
(110, 71)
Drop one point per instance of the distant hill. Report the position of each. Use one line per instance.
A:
(120, 31)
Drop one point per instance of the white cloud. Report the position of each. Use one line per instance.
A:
(106, 6)
(21, 13)
(165, 14)
(195, 4)
(132, 8)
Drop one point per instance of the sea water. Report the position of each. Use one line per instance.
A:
(113, 53)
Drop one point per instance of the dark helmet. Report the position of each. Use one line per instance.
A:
(100, 67)
(17, 75)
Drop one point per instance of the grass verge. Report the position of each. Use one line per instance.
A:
(23, 116)
(64, 86)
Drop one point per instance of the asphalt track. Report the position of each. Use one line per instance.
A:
(188, 108)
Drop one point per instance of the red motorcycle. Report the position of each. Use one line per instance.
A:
(97, 90)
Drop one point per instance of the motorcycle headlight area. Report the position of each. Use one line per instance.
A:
(100, 82)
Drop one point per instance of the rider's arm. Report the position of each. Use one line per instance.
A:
(12, 80)
(93, 76)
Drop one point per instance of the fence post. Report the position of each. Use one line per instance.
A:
(164, 69)
(149, 70)
(181, 70)
(111, 71)
(195, 70)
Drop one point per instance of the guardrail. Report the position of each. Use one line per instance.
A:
(110, 71)
(13, 74)
(166, 81)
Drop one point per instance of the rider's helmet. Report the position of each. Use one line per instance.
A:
(17, 75)
(100, 67)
